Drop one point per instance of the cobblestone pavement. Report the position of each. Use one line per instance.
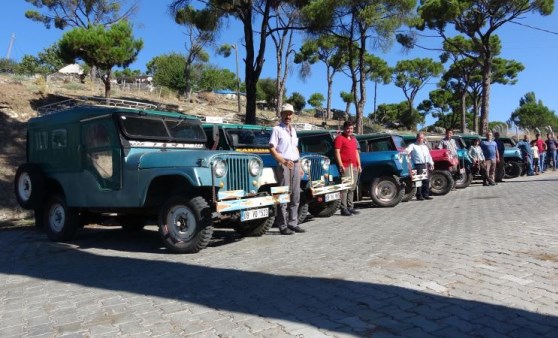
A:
(482, 261)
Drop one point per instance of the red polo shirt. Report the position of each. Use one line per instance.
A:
(348, 149)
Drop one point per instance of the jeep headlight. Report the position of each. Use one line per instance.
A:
(305, 164)
(220, 168)
(325, 164)
(254, 167)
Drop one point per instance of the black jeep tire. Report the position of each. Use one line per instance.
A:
(61, 223)
(410, 192)
(185, 225)
(512, 170)
(464, 180)
(385, 191)
(302, 208)
(132, 223)
(29, 186)
(441, 182)
(255, 228)
(324, 209)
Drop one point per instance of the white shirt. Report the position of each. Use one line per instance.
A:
(420, 154)
(285, 141)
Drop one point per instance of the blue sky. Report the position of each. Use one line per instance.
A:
(537, 50)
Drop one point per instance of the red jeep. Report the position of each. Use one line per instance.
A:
(445, 167)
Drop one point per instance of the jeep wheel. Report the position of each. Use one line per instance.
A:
(464, 180)
(185, 225)
(324, 209)
(512, 170)
(29, 186)
(61, 222)
(255, 228)
(302, 208)
(410, 192)
(386, 192)
(441, 182)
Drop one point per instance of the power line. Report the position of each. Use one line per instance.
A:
(535, 28)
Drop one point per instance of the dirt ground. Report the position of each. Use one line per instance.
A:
(20, 98)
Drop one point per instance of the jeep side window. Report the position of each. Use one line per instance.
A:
(59, 138)
(97, 139)
(381, 145)
(40, 140)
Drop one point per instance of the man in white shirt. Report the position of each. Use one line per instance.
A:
(420, 156)
(284, 148)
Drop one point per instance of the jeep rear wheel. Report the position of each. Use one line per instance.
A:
(386, 192)
(302, 208)
(29, 186)
(255, 228)
(512, 170)
(464, 180)
(410, 192)
(185, 225)
(441, 182)
(324, 209)
(61, 222)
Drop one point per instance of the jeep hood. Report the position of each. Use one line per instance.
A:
(181, 158)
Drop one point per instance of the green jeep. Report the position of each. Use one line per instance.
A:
(95, 159)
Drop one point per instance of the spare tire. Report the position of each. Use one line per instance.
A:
(29, 186)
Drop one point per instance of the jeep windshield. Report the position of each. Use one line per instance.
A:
(249, 138)
(162, 129)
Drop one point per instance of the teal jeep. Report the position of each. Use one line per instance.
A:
(92, 160)
(320, 185)
(514, 164)
(382, 172)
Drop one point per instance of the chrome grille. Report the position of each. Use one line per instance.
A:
(238, 177)
(316, 170)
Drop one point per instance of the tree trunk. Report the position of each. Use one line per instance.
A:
(485, 107)
(463, 101)
(329, 94)
(106, 81)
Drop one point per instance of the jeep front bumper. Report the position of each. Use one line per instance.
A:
(235, 200)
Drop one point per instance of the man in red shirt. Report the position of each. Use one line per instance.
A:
(348, 161)
(541, 146)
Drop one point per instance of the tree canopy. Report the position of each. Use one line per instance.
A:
(101, 47)
(533, 114)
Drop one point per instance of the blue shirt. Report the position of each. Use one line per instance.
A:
(525, 148)
(489, 149)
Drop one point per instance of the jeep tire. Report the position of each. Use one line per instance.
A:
(410, 192)
(441, 182)
(464, 180)
(60, 222)
(255, 228)
(29, 186)
(385, 191)
(302, 208)
(512, 170)
(324, 209)
(185, 224)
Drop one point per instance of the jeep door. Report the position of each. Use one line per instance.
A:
(101, 153)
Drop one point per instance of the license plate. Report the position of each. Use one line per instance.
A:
(332, 196)
(462, 170)
(248, 215)
(418, 184)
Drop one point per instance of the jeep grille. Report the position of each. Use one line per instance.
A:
(238, 177)
(316, 170)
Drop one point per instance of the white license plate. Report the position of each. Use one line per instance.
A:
(418, 184)
(248, 215)
(462, 170)
(332, 196)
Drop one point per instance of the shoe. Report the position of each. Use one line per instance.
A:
(286, 231)
(345, 212)
(428, 198)
(297, 229)
(420, 198)
(354, 211)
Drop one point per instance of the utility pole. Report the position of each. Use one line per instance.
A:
(9, 54)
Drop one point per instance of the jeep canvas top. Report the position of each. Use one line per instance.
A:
(103, 158)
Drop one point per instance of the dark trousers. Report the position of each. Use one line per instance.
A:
(424, 190)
